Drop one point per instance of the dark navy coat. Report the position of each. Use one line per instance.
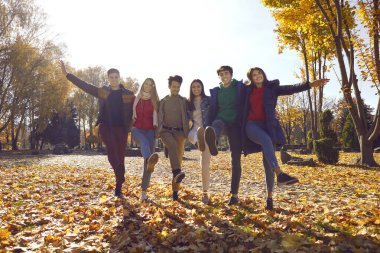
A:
(213, 110)
(271, 93)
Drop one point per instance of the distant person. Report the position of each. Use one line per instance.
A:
(145, 109)
(114, 119)
(262, 130)
(224, 117)
(199, 105)
(173, 128)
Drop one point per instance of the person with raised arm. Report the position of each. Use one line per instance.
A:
(114, 118)
(261, 128)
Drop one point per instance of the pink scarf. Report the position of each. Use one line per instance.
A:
(144, 96)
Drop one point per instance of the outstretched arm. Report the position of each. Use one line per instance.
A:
(89, 88)
(291, 89)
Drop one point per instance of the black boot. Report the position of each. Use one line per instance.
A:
(269, 205)
(175, 195)
(120, 179)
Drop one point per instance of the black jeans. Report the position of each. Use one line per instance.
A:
(233, 132)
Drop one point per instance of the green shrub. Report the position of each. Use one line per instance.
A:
(326, 153)
(324, 147)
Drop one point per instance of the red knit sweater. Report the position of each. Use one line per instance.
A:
(256, 105)
(144, 115)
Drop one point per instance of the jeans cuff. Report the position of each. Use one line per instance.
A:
(176, 172)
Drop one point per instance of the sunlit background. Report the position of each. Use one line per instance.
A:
(148, 38)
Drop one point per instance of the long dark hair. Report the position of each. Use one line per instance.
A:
(249, 74)
(191, 96)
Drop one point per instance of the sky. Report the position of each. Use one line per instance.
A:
(157, 39)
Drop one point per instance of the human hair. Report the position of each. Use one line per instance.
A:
(224, 68)
(154, 95)
(110, 71)
(191, 96)
(176, 78)
(250, 71)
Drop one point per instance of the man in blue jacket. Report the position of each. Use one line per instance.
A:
(225, 116)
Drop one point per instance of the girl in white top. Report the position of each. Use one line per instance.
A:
(198, 106)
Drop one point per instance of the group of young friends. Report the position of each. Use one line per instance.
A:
(245, 113)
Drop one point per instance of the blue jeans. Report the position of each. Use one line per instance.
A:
(233, 132)
(146, 140)
(256, 132)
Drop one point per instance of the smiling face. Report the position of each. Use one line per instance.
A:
(174, 88)
(148, 86)
(114, 80)
(257, 77)
(196, 89)
(225, 76)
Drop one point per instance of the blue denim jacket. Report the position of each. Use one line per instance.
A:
(205, 105)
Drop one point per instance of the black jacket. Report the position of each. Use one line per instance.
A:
(102, 93)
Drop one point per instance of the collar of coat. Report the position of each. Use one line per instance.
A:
(168, 96)
(271, 83)
(104, 91)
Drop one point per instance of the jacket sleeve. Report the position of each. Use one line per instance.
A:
(213, 110)
(130, 111)
(160, 117)
(88, 88)
(291, 89)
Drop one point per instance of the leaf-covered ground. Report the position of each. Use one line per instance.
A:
(66, 204)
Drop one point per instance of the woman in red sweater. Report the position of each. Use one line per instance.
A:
(262, 128)
(145, 121)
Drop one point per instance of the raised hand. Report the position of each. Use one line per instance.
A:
(320, 82)
(63, 67)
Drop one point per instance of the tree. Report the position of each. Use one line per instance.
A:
(299, 28)
(340, 18)
(30, 88)
(289, 114)
(63, 128)
(131, 83)
(350, 48)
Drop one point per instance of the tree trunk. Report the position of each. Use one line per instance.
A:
(14, 140)
(42, 144)
(313, 123)
(19, 128)
(304, 127)
(84, 133)
(7, 136)
(366, 153)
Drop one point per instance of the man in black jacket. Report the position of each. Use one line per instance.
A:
(114, 119)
